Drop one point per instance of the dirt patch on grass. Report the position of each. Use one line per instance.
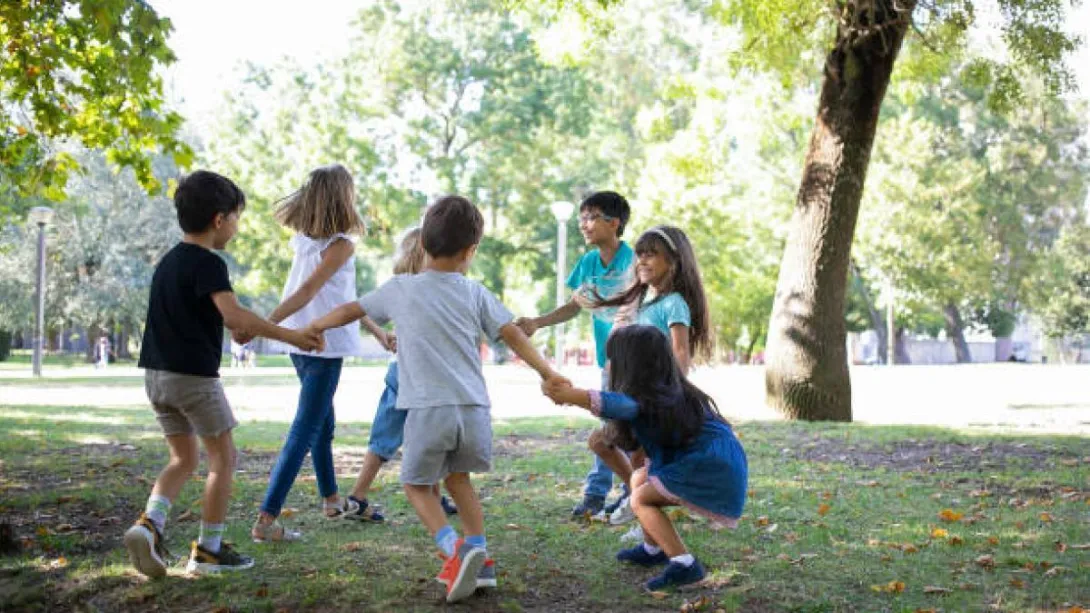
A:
(926, 456)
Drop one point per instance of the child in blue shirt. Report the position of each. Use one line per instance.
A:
(694, 459)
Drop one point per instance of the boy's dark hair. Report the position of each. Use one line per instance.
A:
(451, 224)
(611, 204)
(642, 365)
(203, 194)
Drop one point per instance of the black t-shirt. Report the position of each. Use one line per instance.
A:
(184, 329)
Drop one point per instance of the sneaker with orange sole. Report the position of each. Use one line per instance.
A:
(461, 570)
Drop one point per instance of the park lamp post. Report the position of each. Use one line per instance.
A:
(40, 215)
(562, 212)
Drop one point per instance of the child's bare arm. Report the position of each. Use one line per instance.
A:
(386, 339)
(529, 325)
(249, 324)
(562, 392)
(679, 340)
(340, 316)
(518, 342)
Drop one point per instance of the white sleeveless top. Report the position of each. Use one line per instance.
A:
(339, 289)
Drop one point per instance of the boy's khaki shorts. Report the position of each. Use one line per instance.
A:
(188, 404)
(446, 439)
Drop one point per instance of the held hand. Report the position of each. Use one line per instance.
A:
(311, 339)
(241, 337)
(556, 388)
(389, 342)
(527, 325)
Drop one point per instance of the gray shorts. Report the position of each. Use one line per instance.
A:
(188, 404)
(446, 439)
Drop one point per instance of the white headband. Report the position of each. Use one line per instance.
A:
(661, 233)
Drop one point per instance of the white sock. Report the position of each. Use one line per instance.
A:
(685, 559)
(157, 509)
(211, 536)
(651, 549)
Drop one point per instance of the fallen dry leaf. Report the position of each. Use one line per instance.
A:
(60, 562)
(263, 591)
(353, 546)
(288, 512)
(826, 495)
(909, 548)
(512, 527)
(657, 595)
(893, 587)
(823, 509)
(956, 540)
(1055, 570)
(1046, 517)
(762, 520)
(950, 515)
(1017, 583)
(925, 611)
(993, 540)
(939, 533)
(935, 589)
(985, 561)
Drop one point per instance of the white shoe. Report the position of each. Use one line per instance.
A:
(634, 535)
(623, 513)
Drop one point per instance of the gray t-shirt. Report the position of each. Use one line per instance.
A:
(438, 317)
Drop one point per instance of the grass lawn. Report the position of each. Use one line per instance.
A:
(839, 518)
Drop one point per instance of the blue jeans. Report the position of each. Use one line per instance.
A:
(600, 477)
(311, 431)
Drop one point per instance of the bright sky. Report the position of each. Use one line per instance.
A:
(213, 38)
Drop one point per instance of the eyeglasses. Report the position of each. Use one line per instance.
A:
(593, 217)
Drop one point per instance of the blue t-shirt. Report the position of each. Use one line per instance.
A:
(590, 275)
(662, 313)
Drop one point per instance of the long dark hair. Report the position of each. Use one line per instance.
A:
(642, 365)
(683, 278)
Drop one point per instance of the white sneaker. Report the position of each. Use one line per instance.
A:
(634, 535)
(623, 513)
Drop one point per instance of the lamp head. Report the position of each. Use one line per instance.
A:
(40, 215)
(562, 210)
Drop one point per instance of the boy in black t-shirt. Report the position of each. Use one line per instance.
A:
(190, 303)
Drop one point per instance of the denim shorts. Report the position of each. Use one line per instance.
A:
(388, 427)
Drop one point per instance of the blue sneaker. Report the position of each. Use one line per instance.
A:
(639, 555)
(677, 575)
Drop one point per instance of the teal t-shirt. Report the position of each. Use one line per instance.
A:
(662, 313)
(590, 275)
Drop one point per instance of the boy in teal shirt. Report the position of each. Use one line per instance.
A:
(602, 272)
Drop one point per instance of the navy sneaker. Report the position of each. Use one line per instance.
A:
(639, 555)
(591, 505)
(677, 575)
(362, 511)
(448, 507)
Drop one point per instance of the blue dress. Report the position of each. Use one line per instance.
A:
(709, 475)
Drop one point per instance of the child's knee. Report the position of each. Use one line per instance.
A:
(187, 463)
(597, 442)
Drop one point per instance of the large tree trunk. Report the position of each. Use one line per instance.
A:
(807, 370)
(876, 320)
(955, 330)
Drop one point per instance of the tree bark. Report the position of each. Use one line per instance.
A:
(956, 332)
(806, 376)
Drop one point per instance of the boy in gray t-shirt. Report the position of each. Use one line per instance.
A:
(438, 316)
